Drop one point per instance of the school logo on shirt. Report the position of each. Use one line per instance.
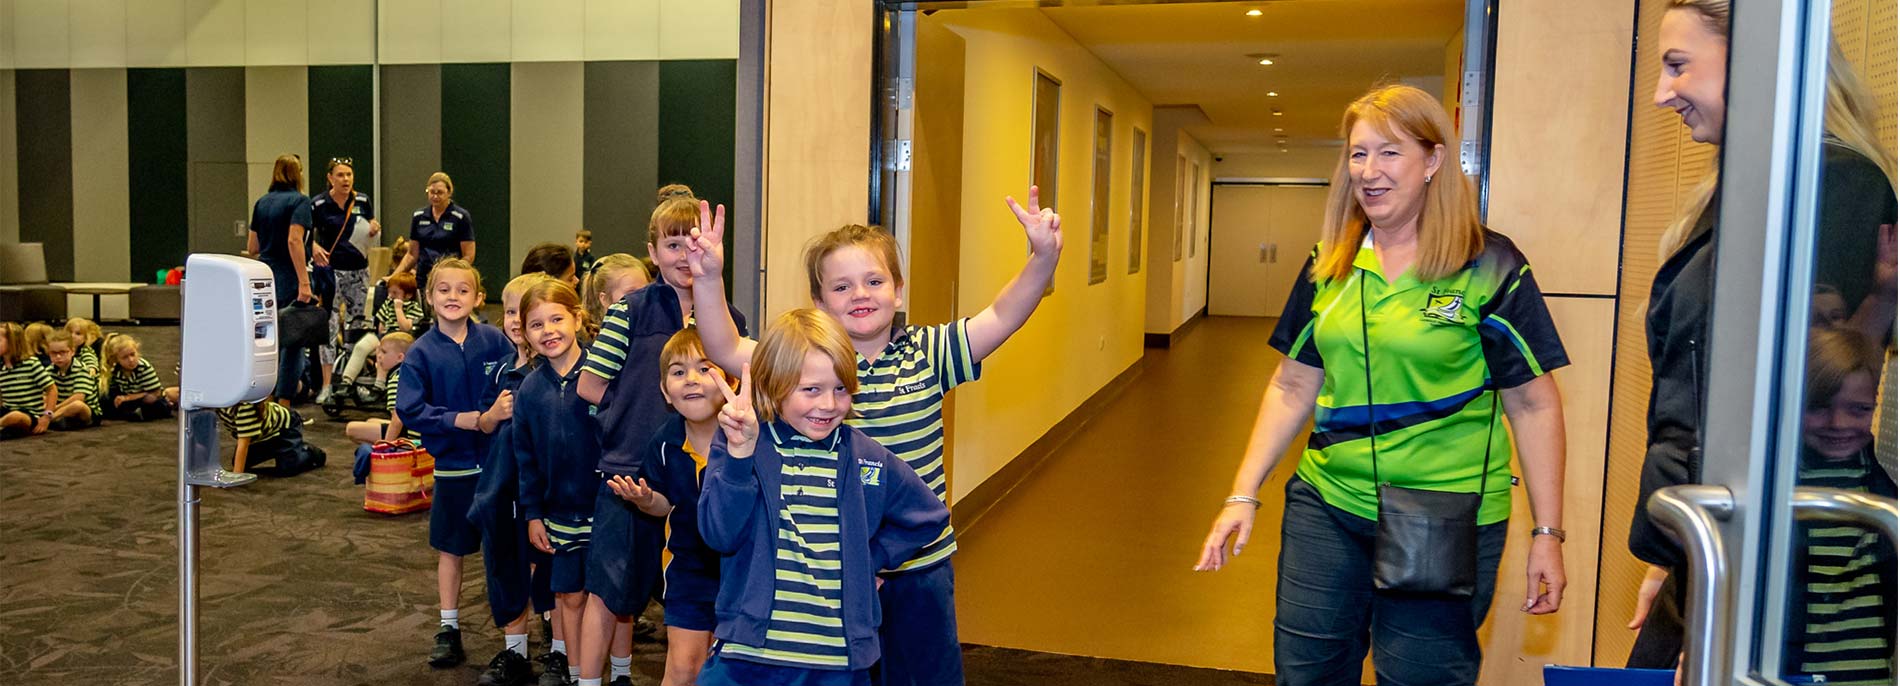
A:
(488, 368)
(1443, 307)
(870, 473)
(918, 387)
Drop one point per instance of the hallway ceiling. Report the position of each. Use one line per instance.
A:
(1326, 52)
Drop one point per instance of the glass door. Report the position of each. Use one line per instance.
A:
(1790, 535)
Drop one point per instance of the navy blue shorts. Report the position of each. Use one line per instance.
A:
(518, 574)
(569, 571)
(449, 528)
(623, 560)
(691, 615)
(919, 633)
(723, 672)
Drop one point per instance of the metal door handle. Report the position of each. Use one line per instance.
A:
(1263, 253)
(1691, 514)
(1273, 253)
(1853, 507)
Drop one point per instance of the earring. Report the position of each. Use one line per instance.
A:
(1428, 178)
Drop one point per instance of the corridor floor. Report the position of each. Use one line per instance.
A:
(1092, 553)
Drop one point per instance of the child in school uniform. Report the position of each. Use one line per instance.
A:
(390, 353)
(903, 375)
(619, 371)
(669, 485)
(133, 391)
(36, 335)
(269, 432)
(612, 278)
(27, 390)
(401, 313)
(557, 448)
(445, 374)
(805, 511)
(517, 573)
(78, 385)
(89, 340)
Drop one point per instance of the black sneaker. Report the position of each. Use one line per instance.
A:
(448, 649)
(645, 631)
(553, 669)
(621, 681)
(509, 668)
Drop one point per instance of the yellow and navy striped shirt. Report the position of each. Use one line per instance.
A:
(142, 379)
(1845, 582)
(81, 379)
(806, 628)
(87, 358)
(386, 315)
(259, 421)
(899, 404)
(389, 403)
(23, 386)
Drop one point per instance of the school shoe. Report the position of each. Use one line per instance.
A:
(509, 668)
(645, 631)
(553, 669)
(448, 649)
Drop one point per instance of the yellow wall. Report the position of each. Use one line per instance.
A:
(1303, 162)
(1176, 289)
(1084, 335)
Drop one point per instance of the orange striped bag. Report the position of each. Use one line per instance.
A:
(401, 478)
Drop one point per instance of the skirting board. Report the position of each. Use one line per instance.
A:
(1166, 340)
(966, 511)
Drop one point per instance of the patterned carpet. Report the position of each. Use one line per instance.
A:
(297, 584)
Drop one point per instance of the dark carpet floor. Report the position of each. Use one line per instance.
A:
(298, 585)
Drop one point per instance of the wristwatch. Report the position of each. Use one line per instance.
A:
(1548, 530)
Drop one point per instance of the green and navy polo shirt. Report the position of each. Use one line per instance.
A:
(1440, 351)
(386, 315)
(142, 379)
(78, 378)
(23, 386)
(1845, 582)
(806, 627)
(259, 421)
(899, 404)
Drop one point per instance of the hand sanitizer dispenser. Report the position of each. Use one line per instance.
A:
(230, 332)
(229, 357)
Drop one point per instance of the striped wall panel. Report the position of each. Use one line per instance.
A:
(476, 154)
(168, 161)
(43, 114)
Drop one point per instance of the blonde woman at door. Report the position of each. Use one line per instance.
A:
(1856, 218)
(1411, 335)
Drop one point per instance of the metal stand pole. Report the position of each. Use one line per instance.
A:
(187, 559)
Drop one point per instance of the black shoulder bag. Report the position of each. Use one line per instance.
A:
(1426, 542)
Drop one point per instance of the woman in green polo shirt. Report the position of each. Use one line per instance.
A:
(1408, 294)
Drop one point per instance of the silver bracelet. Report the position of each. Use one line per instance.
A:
(1244, 499)
(1553, 531)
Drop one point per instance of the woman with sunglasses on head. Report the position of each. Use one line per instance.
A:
(343, 221)
(441, 230)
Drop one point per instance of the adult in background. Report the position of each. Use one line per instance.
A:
(344, 222)
(1854, 258)
(278, 238)
(1412, 333)
(442, 229)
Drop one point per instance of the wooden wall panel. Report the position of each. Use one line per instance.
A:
(817, 132)
(1517, 645)
(1557, 144)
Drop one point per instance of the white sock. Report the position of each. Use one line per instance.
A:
(589, 682)
(517, 643)
(559, 646)
(622, 666)
(574, 672)
(452, 619)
